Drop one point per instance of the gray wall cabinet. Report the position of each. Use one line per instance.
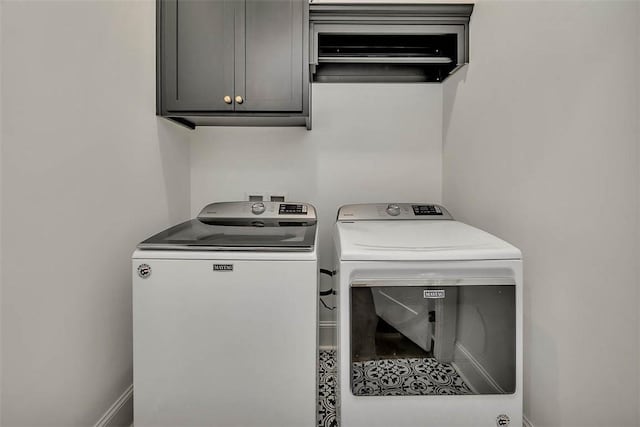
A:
(233, 62)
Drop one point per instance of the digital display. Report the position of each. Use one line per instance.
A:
(426, 210)
(290, 209)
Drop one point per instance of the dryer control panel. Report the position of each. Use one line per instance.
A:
(393, 211)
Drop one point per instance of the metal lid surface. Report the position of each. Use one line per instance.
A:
(242, 226)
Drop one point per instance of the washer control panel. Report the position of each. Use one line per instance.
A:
(251, 210)
(393, 211)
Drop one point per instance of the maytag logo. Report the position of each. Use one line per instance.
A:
(222, 267)
(144, 270)
(433, 293)
(502, 420)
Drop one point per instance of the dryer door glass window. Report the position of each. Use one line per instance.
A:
(433, 340)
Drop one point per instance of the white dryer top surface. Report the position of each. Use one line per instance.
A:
(419, 241)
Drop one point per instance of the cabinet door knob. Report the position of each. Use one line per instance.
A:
(239, 99)
(227, 99)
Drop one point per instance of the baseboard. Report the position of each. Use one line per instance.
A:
(120, 414)
(327, 334)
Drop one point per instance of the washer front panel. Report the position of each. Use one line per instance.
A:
(212, 337)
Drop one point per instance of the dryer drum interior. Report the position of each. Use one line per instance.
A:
(417, 339)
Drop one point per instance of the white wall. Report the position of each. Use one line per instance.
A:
(638, 180)
(87, 172)
(1, 212)
(369, 143)
(540, 148)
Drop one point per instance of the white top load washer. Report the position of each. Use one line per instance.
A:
(429, 320)
(224, 319)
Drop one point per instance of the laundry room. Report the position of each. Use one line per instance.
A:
(534, 138)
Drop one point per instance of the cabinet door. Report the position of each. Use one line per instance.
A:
(198, 59)
(269, 55)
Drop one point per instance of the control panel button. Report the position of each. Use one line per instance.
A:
(291, 209)
(258, 208)
(426, 210)
(393, 210)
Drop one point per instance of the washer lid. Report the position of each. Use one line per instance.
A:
(242, 226)
(419, 241)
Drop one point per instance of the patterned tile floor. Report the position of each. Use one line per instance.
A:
(327, 389)
(386, 377)
(411, 376)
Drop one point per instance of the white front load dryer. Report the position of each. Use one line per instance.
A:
(225, 319)
(429, 320)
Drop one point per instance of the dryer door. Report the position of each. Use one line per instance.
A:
(433, 337)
